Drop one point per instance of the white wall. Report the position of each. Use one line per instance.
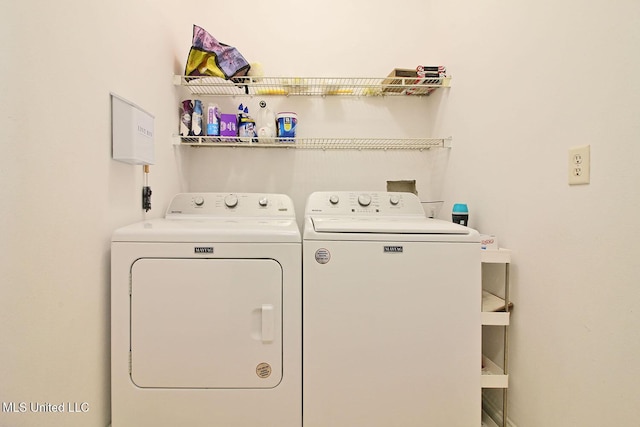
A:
(530, 80)
(62, 195)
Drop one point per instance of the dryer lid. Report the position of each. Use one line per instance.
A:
(244, 230)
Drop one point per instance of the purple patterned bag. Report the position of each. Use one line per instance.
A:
(209, 57)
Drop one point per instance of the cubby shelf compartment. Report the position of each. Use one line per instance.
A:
(316, 143)
(311, 86)
(493, 310)
(492, 375)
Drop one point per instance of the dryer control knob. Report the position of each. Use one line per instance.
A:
(364, 200)
(394, 199)
(263, 201)
(333, 199)
(231, 201)
(199, 201)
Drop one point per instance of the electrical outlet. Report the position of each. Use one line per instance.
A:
(579, 165)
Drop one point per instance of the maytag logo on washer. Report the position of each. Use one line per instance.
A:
(323, 256)
(203, 249)
(393, 249)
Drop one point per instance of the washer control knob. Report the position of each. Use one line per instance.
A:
(199, 201)
(334, 199)
(231, 201)
(263, 202)
(394, 199)
(364, 200)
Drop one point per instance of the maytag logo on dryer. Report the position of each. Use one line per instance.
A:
(203, 249)
(393, 249)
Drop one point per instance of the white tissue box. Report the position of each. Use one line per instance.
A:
(488, 242)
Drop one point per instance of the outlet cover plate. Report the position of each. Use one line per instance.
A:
(579, 165)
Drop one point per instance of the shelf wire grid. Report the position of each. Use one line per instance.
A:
(312, 86)
(316, 143)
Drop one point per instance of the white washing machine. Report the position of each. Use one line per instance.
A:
(391, 314)
(206, 315)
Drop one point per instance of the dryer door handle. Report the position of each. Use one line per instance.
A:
(268, 319)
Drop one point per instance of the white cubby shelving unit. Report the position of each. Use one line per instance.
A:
(359, 87)
(496, 311)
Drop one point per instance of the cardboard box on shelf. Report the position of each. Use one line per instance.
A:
(397, 80)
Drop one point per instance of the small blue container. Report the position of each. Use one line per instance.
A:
(460, 214)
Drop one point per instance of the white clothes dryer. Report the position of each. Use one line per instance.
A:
(206, 315)
(391, 314)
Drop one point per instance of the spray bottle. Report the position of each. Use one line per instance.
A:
(246, 125)
(185, 117)
(196, 118)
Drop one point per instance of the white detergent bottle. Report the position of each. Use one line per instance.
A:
(266, 122)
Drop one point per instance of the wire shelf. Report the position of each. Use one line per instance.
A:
(316, 143)
(312, 86)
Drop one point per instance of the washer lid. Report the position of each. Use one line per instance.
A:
(387, 225)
